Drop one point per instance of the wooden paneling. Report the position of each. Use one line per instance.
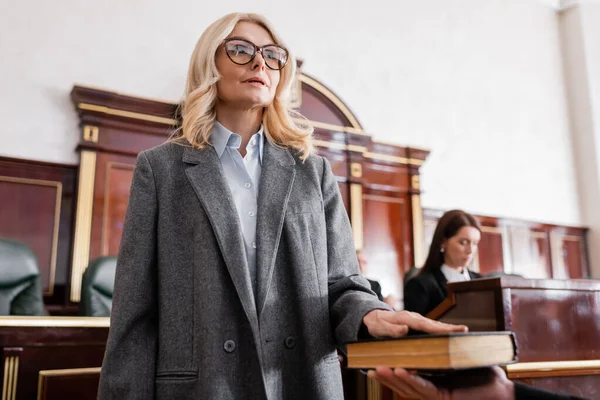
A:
(317, 107)
(384, 238)
(72, 383)
(39, 350)
(116, 127)
(556, 324)
(21, 196)
(114, 173)
(37, 208)
(491, 258)
(529, 249)
(582, 386)
(574, 256)
(117, 186)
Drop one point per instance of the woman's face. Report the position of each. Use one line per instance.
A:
(247, 86)
(460, 249)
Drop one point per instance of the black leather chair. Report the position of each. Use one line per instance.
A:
(97, 287)
(20, 283)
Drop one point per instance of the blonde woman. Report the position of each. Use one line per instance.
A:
(237, 276)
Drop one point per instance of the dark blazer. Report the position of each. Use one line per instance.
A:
(427, 290)
(186, 323)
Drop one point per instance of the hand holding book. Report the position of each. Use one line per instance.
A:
(495, 386)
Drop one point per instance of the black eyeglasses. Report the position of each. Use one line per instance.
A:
(242, 52)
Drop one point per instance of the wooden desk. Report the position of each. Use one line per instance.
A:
(556, 322)
(48, 358)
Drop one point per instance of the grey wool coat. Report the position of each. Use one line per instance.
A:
(186, 323)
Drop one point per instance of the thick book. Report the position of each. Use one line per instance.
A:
(454, 351)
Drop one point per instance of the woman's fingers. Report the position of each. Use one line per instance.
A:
(422, 388)
(408, 385)
(386, 377)
(397, 324)
(419, 323)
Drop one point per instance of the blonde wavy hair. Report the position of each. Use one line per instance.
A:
(198, 109)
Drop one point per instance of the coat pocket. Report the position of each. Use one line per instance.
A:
(176, 385)
(176, 375)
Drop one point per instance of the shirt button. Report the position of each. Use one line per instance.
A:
(253, 142)
(251, 213)
(253, 245)
(247, 185)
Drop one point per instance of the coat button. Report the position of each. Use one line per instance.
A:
(290, 342)
(229, 346)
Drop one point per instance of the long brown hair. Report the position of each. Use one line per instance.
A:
(447, 227)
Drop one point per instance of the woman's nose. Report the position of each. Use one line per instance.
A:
(258, 61)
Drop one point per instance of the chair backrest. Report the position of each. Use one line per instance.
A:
(97, 287)
(20, 283)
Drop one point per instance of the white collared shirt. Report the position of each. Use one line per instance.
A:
(243, 178)
(454, 275)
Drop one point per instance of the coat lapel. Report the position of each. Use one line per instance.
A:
(209, 183)
(277, 178)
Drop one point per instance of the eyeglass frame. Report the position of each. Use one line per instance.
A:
(257, 49)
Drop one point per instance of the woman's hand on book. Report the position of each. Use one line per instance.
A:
(382, 323)
(412, 386)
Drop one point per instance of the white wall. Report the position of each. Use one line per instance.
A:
(477, 81)
(580, 30)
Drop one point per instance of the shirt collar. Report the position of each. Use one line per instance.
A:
(452, 274)
(222, 137)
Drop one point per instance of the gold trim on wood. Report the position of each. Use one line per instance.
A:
(373, 389)
(127, 114)
(104, 235)
(553, 368)
(384, 199)
(367, 154)
(83, 221)
(394, 159)
(70, 371)
(389, 143)
(418, 231)
(356, 214)
(538, 235)
(332, 97)
(339, 146)
(11, 374)
(355, 148)
(62, 372)
(90, 133)
(69, 322)
(387, 157)
(330, 127)
(559, 269)
(58, 202)
(492, 229)
(571, 238)
(415, 182)
(331, 145)
(356, 170)
(296, 91)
